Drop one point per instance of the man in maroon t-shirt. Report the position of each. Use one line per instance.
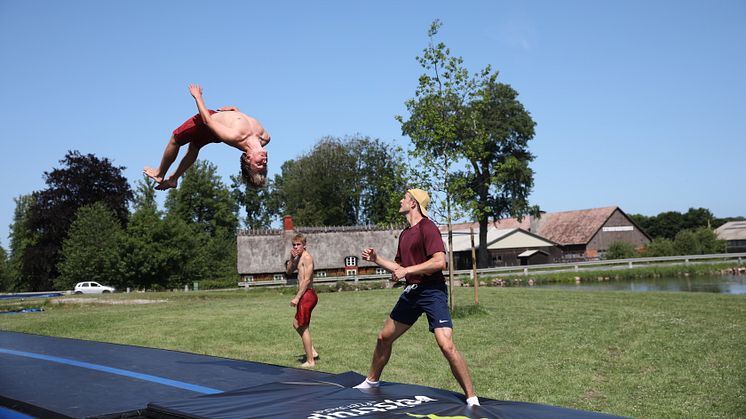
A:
(420, 260)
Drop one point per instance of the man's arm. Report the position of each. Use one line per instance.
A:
(436, 263)
(229, 108)
(371, 256)
(223, 132)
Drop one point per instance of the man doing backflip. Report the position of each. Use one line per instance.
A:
(227, 125)
(420, 260)
(305, 299)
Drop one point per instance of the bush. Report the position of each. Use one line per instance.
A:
(621, 250)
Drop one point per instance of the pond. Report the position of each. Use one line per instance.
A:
(722, 284)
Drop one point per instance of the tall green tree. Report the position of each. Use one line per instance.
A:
(470, 134)
(261, 205)
(92, 250)
(350, 181)
(497, 180)
(437, 116)
(204, 200)
(82, 180)
(146, 257)
(5, 276)
(208, 211)
(21, 238)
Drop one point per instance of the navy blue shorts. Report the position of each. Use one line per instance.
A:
(429, 299)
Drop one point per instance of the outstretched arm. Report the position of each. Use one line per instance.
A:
(370, 255)
(223, 132)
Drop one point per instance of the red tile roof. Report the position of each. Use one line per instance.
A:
(565, 228)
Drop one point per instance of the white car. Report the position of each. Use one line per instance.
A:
(91, 287)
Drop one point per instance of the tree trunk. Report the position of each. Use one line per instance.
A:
(483, 258)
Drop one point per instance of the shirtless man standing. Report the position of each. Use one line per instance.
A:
(227, 125)
(305, 300)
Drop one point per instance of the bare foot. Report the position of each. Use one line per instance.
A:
(308, 365)
(153, 174)
(167, 184)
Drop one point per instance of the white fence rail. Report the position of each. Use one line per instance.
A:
(615, 264)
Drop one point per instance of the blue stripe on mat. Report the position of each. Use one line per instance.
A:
(117, 371)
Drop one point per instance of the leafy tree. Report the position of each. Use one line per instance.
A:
(668, 224)
(261, 205)
(697, 217)
(342, 182)
(92, 251)
(687, 243)
(660, 247)
(83, 180)
(5, 278)
(203, 199)
(437, 116)
(145, 261)
(21, 238)
(497, 180)
(207, 223)
(470, 134)
(708, 241)
(621, 250)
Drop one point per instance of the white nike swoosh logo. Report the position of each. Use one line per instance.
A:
(442, 321)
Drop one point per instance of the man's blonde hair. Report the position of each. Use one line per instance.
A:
(299, 237)
(254, 180)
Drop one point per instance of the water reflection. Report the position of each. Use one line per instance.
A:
(719, 284)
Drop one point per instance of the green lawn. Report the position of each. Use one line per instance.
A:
(645, 355)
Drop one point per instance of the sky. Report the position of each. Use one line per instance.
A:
(638, 103)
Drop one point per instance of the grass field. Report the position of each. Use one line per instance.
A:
(644, 355)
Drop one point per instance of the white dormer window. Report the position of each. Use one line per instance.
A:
(351, 272)
(320, 274)
(351, 261)
(278, 277)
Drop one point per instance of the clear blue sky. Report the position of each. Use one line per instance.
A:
(639, 104)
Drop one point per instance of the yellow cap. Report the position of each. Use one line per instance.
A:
(422, 198)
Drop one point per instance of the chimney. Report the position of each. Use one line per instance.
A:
(287, 223)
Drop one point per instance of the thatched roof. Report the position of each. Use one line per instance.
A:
(732, 230)
(267, 253)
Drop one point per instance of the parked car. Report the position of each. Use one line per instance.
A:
(91, 287)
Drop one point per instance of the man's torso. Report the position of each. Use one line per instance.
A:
(413, 250)
(248, 127)
(305, 269)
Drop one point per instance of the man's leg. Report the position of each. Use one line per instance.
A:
(169, 155)
(305, 337)
(186, 162)
(444, 337)
(390, 332)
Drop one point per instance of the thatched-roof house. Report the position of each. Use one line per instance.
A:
(335, 250)
(734, 234)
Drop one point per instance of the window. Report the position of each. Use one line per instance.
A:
(351, 261)
(381, 271)
(351, 272)
(278, 277)
(248, 278)
(320, 274)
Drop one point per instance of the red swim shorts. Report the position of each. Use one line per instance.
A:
(194, 131)
(305, 307)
